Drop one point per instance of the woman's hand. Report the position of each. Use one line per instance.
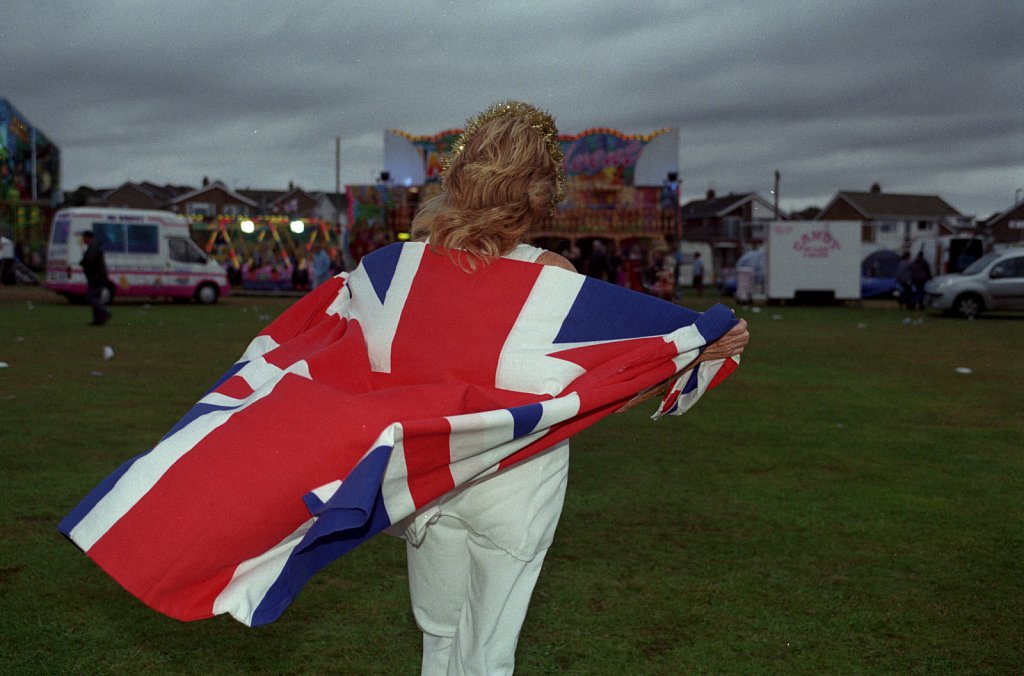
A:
(729, 345)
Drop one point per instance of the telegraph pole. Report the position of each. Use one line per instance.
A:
(776, 192)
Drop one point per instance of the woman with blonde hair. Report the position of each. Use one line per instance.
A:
(474, 555)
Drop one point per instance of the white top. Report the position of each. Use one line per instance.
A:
(524, 252)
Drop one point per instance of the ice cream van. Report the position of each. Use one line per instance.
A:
(148, 253)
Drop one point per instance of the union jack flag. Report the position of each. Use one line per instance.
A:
(369, 398)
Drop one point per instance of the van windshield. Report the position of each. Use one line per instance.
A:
(980, 264)
(185, 250)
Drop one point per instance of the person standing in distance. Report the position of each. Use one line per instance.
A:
(698, 274)
(95, 267)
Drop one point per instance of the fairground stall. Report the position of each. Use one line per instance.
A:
(29, 186)
(266, 253)
(621, 190)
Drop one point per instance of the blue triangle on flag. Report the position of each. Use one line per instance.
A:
(525, 419)
(604, 311)
(380, 267)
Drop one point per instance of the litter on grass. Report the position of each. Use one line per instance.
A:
(964, 370)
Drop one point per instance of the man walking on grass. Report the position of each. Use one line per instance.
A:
(95, 267)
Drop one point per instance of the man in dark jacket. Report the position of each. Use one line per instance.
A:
(920, 273)
(95, 267)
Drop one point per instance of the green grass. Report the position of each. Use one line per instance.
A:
(845, 503)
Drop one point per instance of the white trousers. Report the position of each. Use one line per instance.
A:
(469, 598)
(474, 559)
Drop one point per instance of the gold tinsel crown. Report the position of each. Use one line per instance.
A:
(540, 120)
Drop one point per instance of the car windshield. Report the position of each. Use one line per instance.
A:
(979, 265)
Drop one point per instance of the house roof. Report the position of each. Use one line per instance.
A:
(717, 207)
(708, 208)
(216, 185)
(874, 205)
(159, 194)
(294, 194)
(260, 196)
(996, 217)
(340, 201)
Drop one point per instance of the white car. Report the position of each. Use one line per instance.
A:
(993, 282)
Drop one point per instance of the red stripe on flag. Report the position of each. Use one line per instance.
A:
(427, 457)
(727, 367)
(235, 387)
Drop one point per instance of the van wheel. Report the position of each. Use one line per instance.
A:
(207, 294)
(968, 305)
(107, 294)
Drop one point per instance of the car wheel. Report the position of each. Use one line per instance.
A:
(207, 294)
(968, 305)
(107, 294)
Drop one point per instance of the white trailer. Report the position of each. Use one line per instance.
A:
(813, 257)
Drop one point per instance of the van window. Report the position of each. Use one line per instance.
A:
(60, 231)
(110, 236)
(143, 239)
(185, 250)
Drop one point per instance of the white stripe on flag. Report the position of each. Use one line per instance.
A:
(379, 321)
(394, 488)
(480, 441)
(688, 341)
(525, 353)
(259, 346)
(145, 472)
(339, 306)
(254, 577)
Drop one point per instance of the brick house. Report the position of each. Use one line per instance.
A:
(212, 199)
(296, 203)
(731, 224)
(894, 220)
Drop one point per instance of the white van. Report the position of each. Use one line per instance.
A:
(148, 253)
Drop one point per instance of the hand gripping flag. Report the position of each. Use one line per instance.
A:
(369, 398)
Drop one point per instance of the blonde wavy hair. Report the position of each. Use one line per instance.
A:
(504, 177)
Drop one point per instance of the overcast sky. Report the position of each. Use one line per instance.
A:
(923, 96)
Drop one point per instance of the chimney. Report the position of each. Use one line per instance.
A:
(710, 195)
(876, 188)
(206, 181)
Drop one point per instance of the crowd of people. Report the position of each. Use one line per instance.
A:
(655, 269)
(298, 271)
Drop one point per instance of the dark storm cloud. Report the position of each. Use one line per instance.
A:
(919, 96)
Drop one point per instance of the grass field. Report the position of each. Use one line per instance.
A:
(846, 503)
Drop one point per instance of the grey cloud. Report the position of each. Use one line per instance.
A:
(920, 95)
